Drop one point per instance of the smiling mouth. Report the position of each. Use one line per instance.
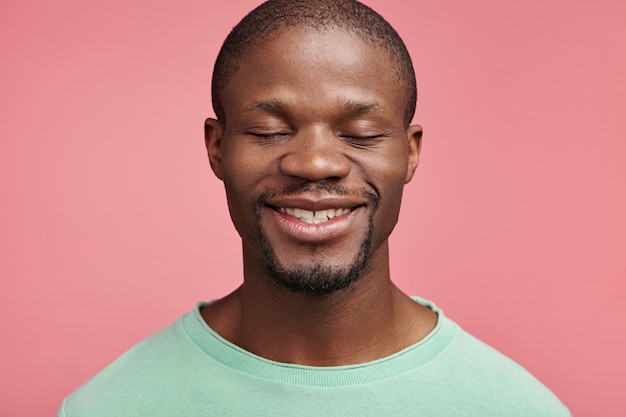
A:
(314, 217)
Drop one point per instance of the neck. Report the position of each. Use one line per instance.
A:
(367, 321)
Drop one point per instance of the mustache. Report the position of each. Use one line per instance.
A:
(321, 187)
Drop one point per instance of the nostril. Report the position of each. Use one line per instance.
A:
(315, 164)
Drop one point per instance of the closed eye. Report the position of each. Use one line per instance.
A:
(361, 138)
(268, 136)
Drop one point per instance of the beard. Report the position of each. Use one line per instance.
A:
(315, 277)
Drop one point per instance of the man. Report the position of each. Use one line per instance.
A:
(313, 142)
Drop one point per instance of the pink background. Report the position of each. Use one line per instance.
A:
(112, 224)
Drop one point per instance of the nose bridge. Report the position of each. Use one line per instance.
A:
(315, 153)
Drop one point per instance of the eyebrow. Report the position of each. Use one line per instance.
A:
(352, 106)
(361, 107)
(272, 106)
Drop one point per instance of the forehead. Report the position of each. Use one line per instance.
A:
(309, 67)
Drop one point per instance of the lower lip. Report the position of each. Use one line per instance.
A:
(308, 232)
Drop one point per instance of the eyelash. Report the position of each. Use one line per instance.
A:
(361, 138)
(269, 136)
(352, 138)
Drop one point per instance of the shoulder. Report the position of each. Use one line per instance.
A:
(479, 374)
(473, 376)
(133, 377)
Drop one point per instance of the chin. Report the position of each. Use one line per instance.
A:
(319, 277)
(316, 279)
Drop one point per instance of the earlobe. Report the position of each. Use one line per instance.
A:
(213, 130)
(414, 136)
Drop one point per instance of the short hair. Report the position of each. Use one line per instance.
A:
(348, 15)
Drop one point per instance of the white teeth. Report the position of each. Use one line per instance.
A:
(314, 217)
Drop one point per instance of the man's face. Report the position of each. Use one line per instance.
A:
(314, 155)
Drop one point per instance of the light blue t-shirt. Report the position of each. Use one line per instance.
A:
(189, 370)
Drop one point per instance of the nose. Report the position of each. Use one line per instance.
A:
(315, 155)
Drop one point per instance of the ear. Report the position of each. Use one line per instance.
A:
(213, 130)
(414, 136)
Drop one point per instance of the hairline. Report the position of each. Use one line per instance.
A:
(238, 43)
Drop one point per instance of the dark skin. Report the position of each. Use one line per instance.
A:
(311, 107)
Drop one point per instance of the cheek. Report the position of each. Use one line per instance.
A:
(245, 170)
(239, 194)
(385, 171)
(238, 167)
(386, 216)
(235, 209)
(388, 180)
